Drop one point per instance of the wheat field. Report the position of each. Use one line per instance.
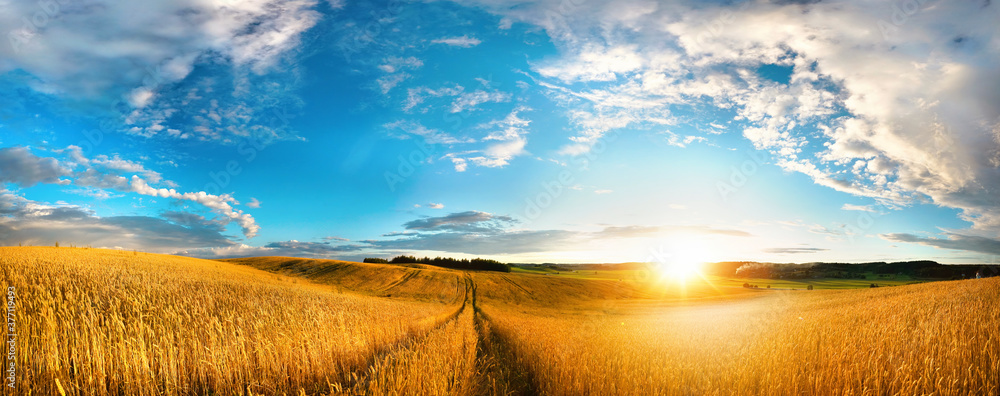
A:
(100, 322)
(931, 339)
(96, 322)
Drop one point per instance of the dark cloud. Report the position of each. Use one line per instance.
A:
(475, 232)
(96, 179)
(492, 242)
(192, 220)
(470, 232)
(152, 233)
(398, 233)
(512, 242)
(296, 248)
(31, 223)
(955, 242)
(18, 165)
(293, 248)
(470, 221)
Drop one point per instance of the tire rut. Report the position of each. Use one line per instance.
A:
(403, 279)
(357, 374)
(499, 371)
(504, 277)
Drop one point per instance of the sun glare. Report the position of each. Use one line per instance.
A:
(683, 261)
(682, 270)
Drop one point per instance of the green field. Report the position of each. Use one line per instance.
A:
(822, 283)
(583, 274)
(640, 276)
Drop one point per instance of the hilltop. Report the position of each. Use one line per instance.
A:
(425, 281)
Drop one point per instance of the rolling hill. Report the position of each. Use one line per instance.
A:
(104, 322)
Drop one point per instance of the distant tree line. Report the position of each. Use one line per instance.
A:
(446, 262)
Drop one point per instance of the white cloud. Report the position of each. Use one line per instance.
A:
(509, 137)
(140, 97)
(117, 164)
(95, 193)
(417, 96)
(460, 164)
(469, 100)
(435, 205)
(70, 54)
(510, 127)
(603, 191)
(241, 250)
(674, 139)
(499, 154)
(394, 64)
(102, 52)
(431, 136)
(329, 248)
(387, 83)
(394, 67)
(860, 208)
(253, 204)
(20, 166)
(463, 41)
(918, 105)
(594, 63)
(23, 221)
(463, 100)
(475, 232)
(220, 204)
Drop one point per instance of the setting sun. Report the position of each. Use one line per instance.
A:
(682, 270)
(683, 260)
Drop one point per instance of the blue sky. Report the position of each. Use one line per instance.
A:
(549, 131)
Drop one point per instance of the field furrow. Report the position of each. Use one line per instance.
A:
(442, 362)
(499, 371)
(401, 280)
